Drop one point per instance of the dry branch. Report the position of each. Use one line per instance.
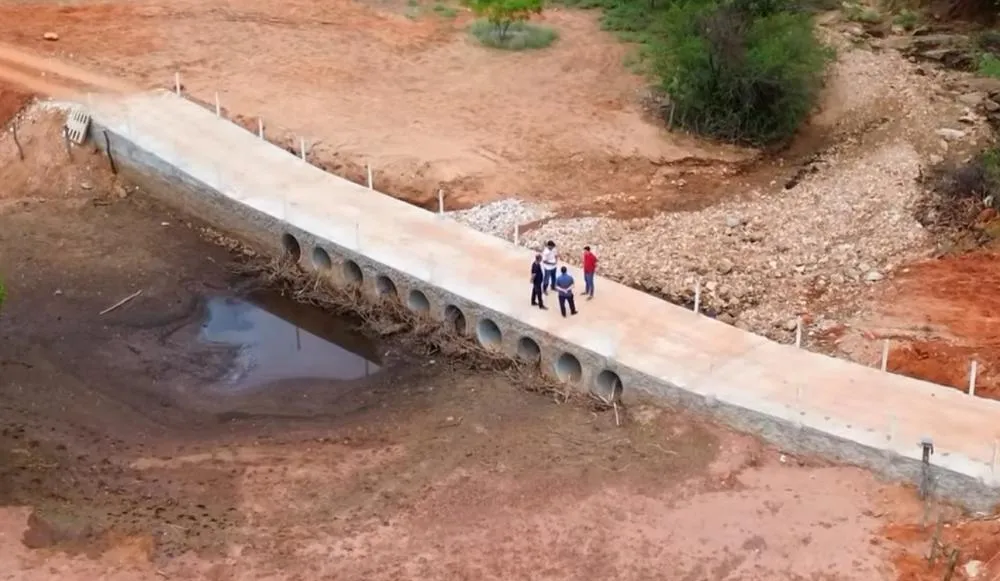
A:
(388, 318)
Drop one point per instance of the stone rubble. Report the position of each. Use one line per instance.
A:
(499, 218)
(762, 259)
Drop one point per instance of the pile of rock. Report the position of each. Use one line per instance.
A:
(499, 218)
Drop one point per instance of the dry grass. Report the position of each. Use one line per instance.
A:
(388, 318)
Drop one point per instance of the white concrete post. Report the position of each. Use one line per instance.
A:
(697, 296)
(996, 456)
(517, 234)
(972, 377)
(798, 332)
(218, 106)
(302, 147)
(885, 355)
(357, 236)
(371, 184)
(260, 127)
(177, 84)
(440, 202)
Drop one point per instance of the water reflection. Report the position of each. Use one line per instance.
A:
(279, 339)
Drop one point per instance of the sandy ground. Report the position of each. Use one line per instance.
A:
(120, 458)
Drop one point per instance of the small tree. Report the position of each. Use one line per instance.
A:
(501, 14)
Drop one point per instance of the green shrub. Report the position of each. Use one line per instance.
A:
(988, 66)
(444, 10)
(503, 14)
(906, 19)
(741, 71)
(860, 13)
(515, 36)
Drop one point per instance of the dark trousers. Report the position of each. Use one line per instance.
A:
(563, 301)
(550, 280)
(536, 294)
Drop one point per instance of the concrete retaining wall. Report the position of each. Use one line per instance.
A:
(741, 390)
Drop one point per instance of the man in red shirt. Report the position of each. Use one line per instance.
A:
(589, 267)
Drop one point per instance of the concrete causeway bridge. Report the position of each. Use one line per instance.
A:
(624, 341)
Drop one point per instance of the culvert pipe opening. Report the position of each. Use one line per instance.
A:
(352, 273)
(321, 259)
(418, 302)
(455, 319)
(528, 349)
(568, 368)
(609, 385)
(385, 287)
(488, 333)
(290, 244)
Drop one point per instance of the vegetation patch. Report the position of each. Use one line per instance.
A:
(444, 11)
(862, 13)
(504, 24)
(964, 199)
(747, 72)
(517, 36)
(744, 71)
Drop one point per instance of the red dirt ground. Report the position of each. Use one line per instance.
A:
(952, 307)
(372, 83)
(11, 101)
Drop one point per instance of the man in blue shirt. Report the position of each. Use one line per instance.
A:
(564, 284)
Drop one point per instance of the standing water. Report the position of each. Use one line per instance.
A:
(278, 339)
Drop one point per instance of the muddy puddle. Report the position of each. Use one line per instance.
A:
(277, 339)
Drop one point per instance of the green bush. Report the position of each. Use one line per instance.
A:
(907, 19)
(503, 14)
(516, 36)
(741, 70)
(988, 66)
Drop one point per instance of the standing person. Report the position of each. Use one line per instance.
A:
(564, 284)
(589, 268)
(537, 277)
(550, 259)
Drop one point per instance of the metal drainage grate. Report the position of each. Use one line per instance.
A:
(76, 126)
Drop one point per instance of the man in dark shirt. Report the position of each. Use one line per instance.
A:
(537, 276)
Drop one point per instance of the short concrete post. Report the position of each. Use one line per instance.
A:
(357, 236)
(440, 202)
(302, 147)
(798, 332)
(177, 84)
(885, 355)
(371, 183)
(260, 127)
(517, 234)
(972, 377)
(218, 106)
(697, 296)
(996, 456)
(69, 145)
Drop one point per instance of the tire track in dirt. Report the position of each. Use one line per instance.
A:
(53, 78)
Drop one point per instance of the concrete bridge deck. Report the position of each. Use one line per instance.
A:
(804, 401)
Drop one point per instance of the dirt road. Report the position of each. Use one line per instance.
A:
(137, 463)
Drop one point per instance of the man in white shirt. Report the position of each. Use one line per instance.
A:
(550, 260)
